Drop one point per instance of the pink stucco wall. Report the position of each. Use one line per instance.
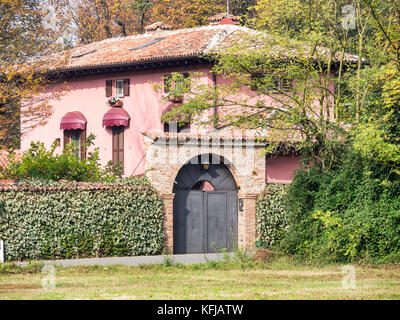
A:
(87, 95)
(281, 169)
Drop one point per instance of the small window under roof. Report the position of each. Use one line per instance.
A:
(149, 43)
(84, 53)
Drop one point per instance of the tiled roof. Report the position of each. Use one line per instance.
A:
(158, 45)
(166, 44)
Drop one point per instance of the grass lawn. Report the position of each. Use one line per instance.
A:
(279, 279)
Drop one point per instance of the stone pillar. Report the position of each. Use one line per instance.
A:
(247, 221)
(168, 200)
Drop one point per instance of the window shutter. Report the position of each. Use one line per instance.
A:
(167, 83)
(286, 83)
(108, 88)
(67, 137)
(118, 145)
(126, 87)
(83, 144)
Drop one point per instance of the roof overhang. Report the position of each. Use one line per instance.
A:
(143, 65)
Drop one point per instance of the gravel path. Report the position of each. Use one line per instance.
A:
(135, 261)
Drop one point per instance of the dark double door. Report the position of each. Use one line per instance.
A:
(205, 221)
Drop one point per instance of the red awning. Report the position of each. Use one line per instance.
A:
(116, 117)
(73, 120)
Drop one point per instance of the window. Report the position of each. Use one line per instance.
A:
(118, 145)
(260, 81)
(167, 83)
(119, 88)
(286, 84)
(176, 127)
(78, 136)
(178, 85)
(122, 88)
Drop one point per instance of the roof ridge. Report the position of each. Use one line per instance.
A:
(153, 33)
(220, 36)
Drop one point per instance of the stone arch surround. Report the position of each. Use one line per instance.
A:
(166, 153)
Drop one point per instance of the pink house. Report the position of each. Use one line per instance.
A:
(208, 204)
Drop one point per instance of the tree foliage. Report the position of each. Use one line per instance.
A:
(93, 20)
(23, 38)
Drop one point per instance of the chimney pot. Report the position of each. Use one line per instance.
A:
(158, 26)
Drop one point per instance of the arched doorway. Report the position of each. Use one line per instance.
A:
(205, 208)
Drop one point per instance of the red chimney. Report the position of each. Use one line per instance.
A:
(223, 18)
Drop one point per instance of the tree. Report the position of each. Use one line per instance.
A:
(186, 13)
(95, 20)
(291, 68)
(23, 38)
(309, 43)
(291, 98)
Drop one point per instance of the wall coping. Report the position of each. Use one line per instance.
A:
(15, 185)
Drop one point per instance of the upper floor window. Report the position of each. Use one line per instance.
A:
(120, 88)
(275, 83)
(175, 83)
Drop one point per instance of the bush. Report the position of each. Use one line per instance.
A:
(348, 214)
(272, 219)
(40, 163)
(76, 220)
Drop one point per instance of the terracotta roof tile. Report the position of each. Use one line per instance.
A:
(156, 45)
(165, 44)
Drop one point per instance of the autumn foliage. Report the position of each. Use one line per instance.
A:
(23, 38)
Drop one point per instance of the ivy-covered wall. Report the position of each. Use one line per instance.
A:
(76, 220)
(272, 219)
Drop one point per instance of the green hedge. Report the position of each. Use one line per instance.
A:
(272, 220)
(75, 221)
(346, 214)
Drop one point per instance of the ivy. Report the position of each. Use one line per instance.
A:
(272, 220)
(63, 223)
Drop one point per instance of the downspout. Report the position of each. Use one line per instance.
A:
(215, 100)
